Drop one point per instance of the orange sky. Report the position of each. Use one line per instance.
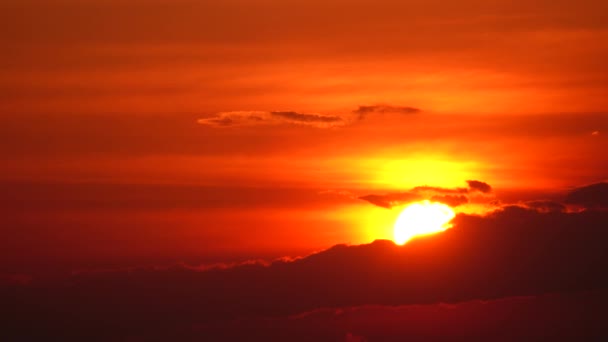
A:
(357, 96)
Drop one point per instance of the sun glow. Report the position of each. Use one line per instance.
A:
(422, 218)
(399, 173)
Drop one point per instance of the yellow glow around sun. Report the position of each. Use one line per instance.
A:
(415, 171)
(422, 218)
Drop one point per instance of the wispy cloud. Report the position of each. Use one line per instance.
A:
(255, 118)
(252, 118)
(363, 111)
(453, 197)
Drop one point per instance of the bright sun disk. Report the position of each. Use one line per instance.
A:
(422, 218)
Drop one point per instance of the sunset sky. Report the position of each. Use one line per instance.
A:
(154, 132)
(288, 97)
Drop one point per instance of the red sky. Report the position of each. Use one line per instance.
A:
(250, 127)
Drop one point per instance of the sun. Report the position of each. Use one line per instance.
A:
(422, 218)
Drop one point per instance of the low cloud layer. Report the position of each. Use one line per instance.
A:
(453, 197)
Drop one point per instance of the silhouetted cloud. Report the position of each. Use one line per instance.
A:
(513, 251)
(299, 117)
(250, 118)
(594, 196)
(363, 111)
(479, 186)
(453, 197)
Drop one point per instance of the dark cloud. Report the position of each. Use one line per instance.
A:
(594, 196)
(479, 186)
(453, 197)
(545, 206)
(512, 252)
(363, 111)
